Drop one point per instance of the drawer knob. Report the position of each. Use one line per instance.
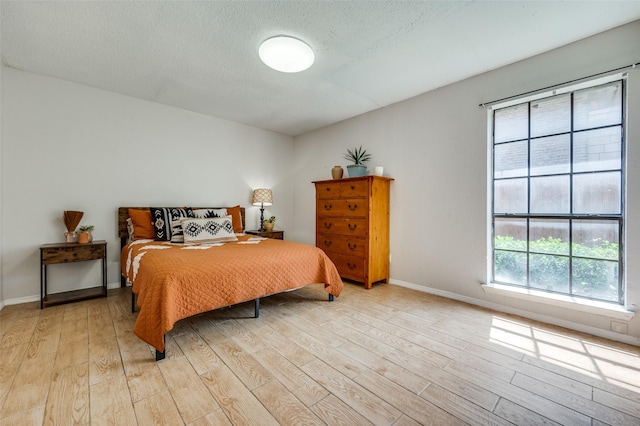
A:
(352, 246)
(328, 206)
(351, 265)
(353, 187)
(353, 207)
(352, 226)
(328, 189)
(327, 243)
(328, 225)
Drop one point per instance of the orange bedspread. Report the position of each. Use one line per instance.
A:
(175, 281)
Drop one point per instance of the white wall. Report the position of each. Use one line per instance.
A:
(435, 146)
(72, 147)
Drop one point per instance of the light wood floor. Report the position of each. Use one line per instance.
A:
(384, 356)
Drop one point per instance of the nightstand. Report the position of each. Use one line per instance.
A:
(275, 235)
(52, 254)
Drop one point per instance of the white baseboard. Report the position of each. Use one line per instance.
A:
(36, 298)
(624, 338)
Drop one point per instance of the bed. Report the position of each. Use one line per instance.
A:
(174, 280)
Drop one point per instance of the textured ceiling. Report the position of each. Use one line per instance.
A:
(203, 56)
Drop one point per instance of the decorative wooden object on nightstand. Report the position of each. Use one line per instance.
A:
(275, 235)
(352, 226)
(51, 254)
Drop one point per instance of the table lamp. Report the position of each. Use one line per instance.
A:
(262, 197)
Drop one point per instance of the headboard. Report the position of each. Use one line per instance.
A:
(123, 215)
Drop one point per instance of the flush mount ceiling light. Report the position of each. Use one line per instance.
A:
(286, 54)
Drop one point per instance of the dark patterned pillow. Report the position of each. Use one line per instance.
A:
(166, 221)
(208, 213)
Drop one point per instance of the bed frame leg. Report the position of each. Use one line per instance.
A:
(330, 297)
(256, 308)
(160, 355)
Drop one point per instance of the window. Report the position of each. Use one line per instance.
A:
(558, 185)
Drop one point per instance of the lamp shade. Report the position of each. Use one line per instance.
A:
(262, 196)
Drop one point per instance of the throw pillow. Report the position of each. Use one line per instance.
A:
(142, 224)
(236, 218)
(208, 230)
(209, 212)
(166, 221)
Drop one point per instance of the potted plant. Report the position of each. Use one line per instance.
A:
(84, 236)
(358, 156)
(268, 223)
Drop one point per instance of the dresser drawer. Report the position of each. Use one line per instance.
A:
(328, 190)
(354, 189)
(336, 225)
(343, 244)
(353, 207)
(348, 266)
(342, 189)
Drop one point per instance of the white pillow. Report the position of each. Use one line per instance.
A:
(208, 230)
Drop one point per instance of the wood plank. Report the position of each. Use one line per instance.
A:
(30, 386)
(284, 406)
(146, 385)
(46, 335)
(244, 338)
(111, 403)
(73, 352)
(335, 412)
(319, 333)
(10, 360)
(398, 338)
(216, 418)
(74, 326)
(286, 347)
(105, 362)
(472, 392)
(238, 403)
(346, 366)
(158, 410)
(531, 400)
(30, 417)
(460, 407)
(351, 335)
(619, 403)
(143, 375)
(199, 354)
(100, 327)
(360, 399)
(582, 405)
(248, 370)
(189, 393)
(394, 372)
(69, 396)
(520, 415)
(626, 388)
(291, 377)
(511, 364)
(407, 402)
(18, 332)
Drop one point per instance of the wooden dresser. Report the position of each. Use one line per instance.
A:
(352, 226)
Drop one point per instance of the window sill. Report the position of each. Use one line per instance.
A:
(568, 302)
